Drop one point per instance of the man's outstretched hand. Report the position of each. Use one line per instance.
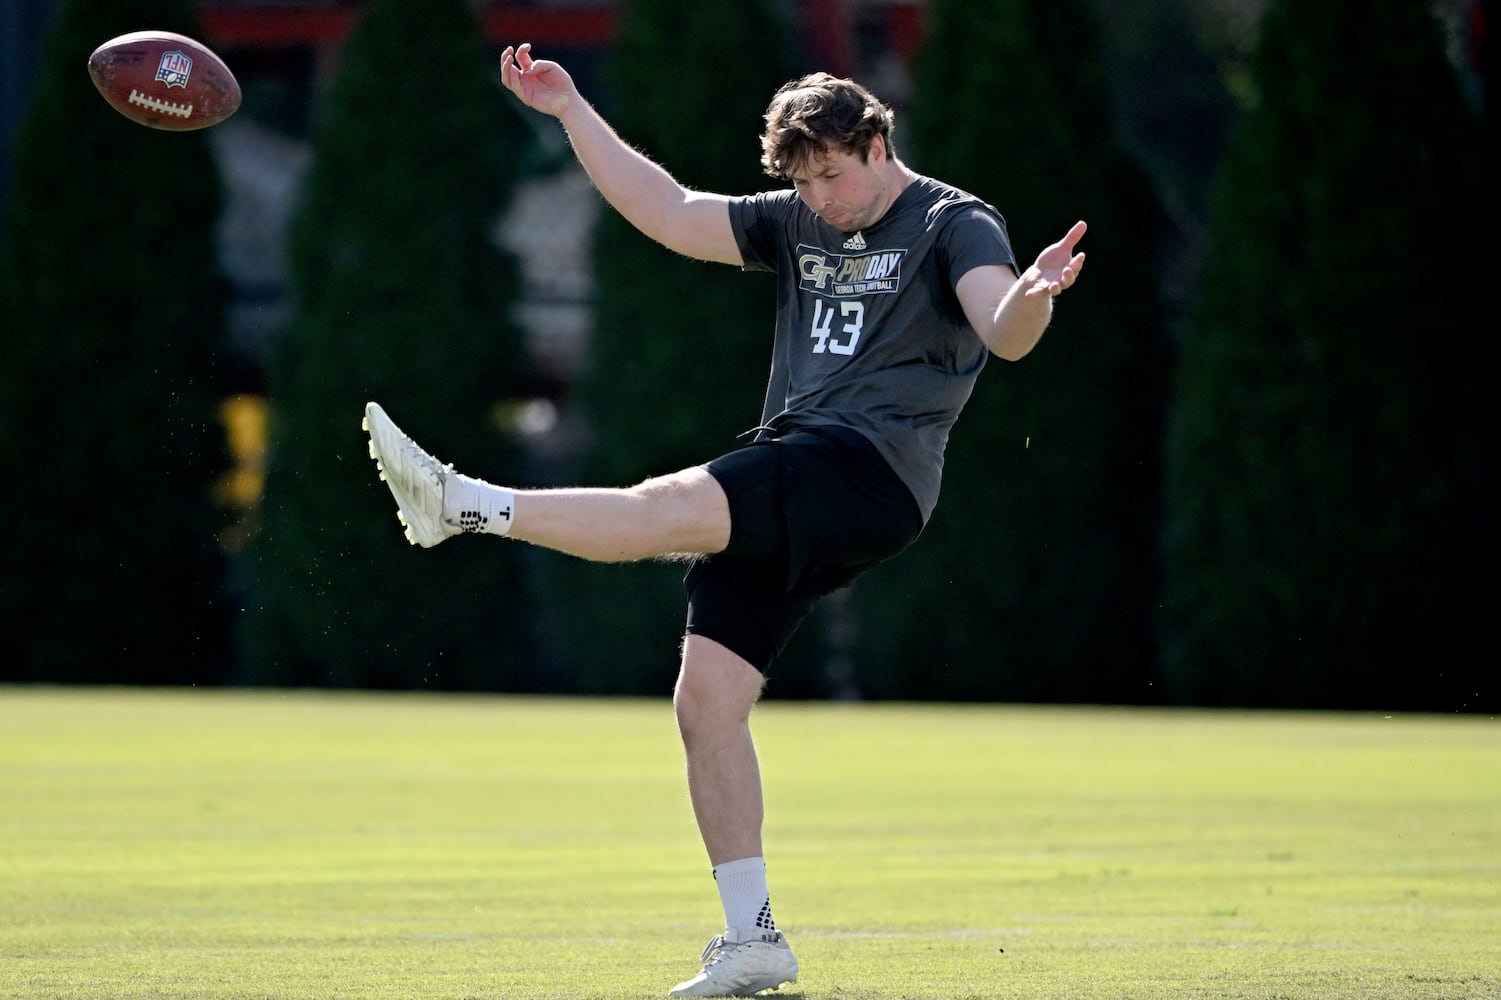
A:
(1057, 267)
(538, 83)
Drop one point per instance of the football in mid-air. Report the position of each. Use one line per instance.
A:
(164, 81)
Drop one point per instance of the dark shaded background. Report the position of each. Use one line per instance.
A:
(1250, 465)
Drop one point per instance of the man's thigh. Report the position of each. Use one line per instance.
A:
(691, 508)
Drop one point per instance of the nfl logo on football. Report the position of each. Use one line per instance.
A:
(174, 68)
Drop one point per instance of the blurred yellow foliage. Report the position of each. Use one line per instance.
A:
(239, 490)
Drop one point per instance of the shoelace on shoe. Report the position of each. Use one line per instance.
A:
(714, 952)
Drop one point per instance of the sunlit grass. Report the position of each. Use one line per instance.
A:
(320, 845)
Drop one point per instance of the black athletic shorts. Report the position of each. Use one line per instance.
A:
(809, 512)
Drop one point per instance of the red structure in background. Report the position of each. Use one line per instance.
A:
(830, 26)
(270, 26)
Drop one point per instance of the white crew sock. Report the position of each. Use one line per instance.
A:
(475, 506)
(742, 890)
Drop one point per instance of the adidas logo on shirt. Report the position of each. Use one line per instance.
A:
(855, 242)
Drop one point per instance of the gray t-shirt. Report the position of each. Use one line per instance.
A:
(870, 334)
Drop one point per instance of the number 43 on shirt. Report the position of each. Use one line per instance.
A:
(852, 317)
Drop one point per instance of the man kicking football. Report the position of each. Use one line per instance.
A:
(892, 290)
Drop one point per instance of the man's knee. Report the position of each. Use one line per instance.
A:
(716, 689)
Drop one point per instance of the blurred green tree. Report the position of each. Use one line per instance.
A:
(1329, 464)
(681, 348)
(113, 307)
(1036, 576)
(1174, 68)
(402, 297)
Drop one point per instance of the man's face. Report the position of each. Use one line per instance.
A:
(846, 193)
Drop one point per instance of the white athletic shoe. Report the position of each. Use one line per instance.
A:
(737, 965)
(416, 479)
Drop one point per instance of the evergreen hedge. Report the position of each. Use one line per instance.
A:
(402, 297)
(113, 308)
(1329, 469)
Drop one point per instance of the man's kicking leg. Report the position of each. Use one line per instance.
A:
(715, 693)
(685, 512)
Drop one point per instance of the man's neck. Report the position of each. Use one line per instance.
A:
(898, 177)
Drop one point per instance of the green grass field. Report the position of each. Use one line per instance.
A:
(311, 846)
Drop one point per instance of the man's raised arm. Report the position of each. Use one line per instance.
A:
(692, 223)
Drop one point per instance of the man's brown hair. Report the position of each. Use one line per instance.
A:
(818, 112)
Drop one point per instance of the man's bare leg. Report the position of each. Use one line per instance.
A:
(685, 512)
(716, 691)
(682, 513)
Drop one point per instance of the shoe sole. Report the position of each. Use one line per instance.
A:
(771, 982)
(743, 991)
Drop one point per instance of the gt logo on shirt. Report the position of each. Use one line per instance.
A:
(844, 276)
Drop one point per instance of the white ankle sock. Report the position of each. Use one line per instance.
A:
(742, 890)
(475, 506)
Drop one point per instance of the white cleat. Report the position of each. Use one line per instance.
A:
(741, 964)
(415, 479)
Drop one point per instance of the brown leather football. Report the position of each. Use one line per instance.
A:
(164, 81)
